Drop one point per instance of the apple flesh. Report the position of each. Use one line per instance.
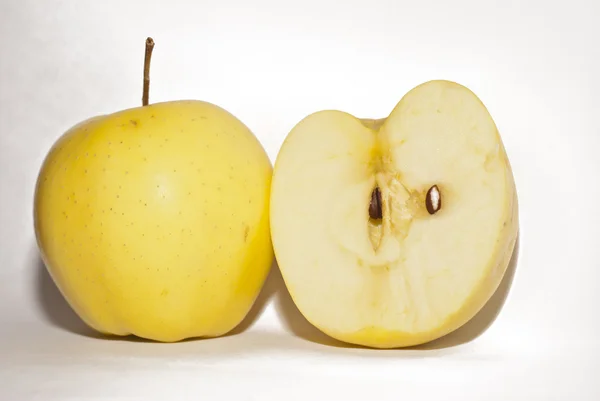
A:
(154, 221)
(395, 232)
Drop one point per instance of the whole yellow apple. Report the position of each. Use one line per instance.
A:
(154, 221)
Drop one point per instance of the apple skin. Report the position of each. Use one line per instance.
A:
(154, 221)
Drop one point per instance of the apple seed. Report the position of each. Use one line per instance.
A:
(433, 200)
(375, 211)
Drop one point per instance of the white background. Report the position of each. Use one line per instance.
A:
(535, 65)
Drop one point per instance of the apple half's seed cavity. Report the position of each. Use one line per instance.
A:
(375, 211)
(433, 200)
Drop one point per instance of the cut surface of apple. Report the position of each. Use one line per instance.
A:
(395, 232)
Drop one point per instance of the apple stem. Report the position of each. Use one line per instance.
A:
(147, 57)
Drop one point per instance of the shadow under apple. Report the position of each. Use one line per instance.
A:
(297, 324)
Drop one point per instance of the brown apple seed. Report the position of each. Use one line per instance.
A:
(433, 200)
(375, 210)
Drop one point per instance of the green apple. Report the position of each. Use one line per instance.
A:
(154, 221)
(395, 232)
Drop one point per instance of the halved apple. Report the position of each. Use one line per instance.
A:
(395, 232)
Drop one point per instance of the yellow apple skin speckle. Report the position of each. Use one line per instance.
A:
(154, 221)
